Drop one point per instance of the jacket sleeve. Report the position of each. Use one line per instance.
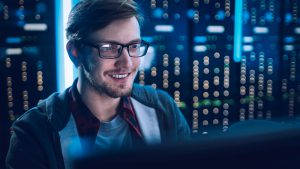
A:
(26, 150)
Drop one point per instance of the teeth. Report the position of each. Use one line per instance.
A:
(120, 76)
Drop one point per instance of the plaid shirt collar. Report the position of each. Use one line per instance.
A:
(88, 125)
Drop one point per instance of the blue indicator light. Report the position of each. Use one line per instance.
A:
(19, 12)
(221, 15)
(269, 16)
(288, 18)
(148, 39)
(289, 39)
(200, 39)
(246, 16)
(158, 13)
(13, 40)
(190, 13)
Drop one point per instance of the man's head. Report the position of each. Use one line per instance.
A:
(90, 15)
(103, 35)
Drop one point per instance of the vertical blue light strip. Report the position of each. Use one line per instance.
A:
(64, 70)
(237, 50)
(59, 46)
(68, 65)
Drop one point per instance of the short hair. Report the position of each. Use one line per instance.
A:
(90, 15)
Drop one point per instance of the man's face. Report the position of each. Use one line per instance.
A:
(112, 77)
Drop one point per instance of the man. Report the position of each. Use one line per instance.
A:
(102, 109)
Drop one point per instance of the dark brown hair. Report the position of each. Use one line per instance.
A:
(90, 15)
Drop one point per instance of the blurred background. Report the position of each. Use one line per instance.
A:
(223, 61)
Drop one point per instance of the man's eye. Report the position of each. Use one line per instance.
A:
(108, 47)
(105, 49)
(135, 45)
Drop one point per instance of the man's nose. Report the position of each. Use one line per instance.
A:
(125, 60)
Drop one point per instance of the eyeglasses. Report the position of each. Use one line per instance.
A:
(112, 50)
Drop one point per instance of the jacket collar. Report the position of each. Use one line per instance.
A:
(56, 109)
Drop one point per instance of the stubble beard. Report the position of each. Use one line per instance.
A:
(102, 87)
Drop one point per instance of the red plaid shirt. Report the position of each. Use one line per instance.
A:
(88, 125)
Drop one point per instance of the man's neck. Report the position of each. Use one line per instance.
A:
(103, 107)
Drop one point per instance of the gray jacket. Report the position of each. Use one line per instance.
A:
(35, 142)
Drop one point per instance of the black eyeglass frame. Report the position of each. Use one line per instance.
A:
(97, 46)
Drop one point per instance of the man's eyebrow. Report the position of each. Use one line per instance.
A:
(135, 40)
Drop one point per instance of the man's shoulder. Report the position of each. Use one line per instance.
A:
(31, 122)
(47, 109)
(51, 101)
(39, 111)
(149, 94)
(34, 114)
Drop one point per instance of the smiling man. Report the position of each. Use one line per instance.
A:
(103, 109)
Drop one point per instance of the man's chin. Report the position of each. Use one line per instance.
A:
(123, 90)
(116, 91)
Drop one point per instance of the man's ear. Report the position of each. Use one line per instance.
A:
(73, 53)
